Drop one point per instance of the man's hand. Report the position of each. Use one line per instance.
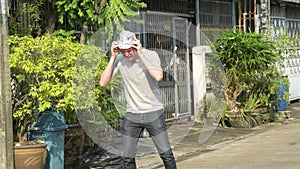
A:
(137, 45)
(114, 49)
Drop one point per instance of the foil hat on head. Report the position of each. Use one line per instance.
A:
(125, 39)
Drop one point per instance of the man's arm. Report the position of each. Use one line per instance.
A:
(155, 72)
(107, 74)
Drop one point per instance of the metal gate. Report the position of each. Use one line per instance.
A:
(169, 37)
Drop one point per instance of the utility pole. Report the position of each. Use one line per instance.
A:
(6, 129)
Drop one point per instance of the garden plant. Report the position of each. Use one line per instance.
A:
(42, 69)
(251, 71)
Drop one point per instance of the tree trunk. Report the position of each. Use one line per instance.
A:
(52, 19)
(83, 33)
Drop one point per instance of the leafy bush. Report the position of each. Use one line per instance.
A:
(43, 67)
(251, 69)
(44, 70)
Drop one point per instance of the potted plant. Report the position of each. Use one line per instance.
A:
(250, 64)
(46, 71)
(41, 70)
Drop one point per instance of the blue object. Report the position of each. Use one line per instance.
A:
(50, 128)
(282, 105)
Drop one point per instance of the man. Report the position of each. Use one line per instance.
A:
(141, 71)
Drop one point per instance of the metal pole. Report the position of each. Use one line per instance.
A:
(6, 131)
(233, 23)
(197, 13)
(177, 111)
(188, 66)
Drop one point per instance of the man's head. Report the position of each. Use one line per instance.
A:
(126, 39)
(125, 45)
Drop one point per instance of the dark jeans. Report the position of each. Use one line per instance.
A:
(154, 123)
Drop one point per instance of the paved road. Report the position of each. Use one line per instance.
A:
(277, 148)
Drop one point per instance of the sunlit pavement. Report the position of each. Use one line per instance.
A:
(269, 146)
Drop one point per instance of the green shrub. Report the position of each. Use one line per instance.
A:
(251, 68)
(44, 68)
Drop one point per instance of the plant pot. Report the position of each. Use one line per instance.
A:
(239, 121)
(74, 142)
(30, 156)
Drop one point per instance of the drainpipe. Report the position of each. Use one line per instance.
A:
(197, 13)
(233, 23)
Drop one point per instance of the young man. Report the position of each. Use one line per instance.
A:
(141, 72)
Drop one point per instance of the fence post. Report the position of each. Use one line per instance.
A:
(199, 81)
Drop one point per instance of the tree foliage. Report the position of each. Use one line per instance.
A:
(42, 16)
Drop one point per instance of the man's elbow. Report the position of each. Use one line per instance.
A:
(159, 77)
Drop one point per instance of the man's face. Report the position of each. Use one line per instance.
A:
(129, 53)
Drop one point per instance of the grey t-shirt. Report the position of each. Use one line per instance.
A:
(141, 91)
